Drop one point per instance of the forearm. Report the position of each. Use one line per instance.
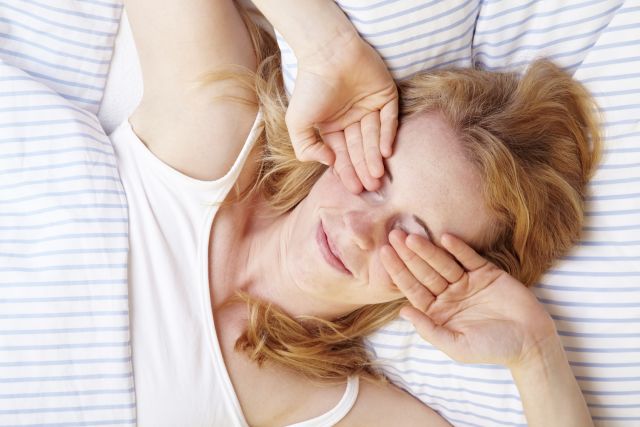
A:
(311, 27)
(549, 391)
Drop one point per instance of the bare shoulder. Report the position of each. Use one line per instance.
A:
(271, 395)
(387, 405)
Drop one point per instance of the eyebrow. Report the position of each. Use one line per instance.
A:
(422, 223)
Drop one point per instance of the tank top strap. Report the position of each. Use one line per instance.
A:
(339, 411)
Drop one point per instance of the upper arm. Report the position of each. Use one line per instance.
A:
(194, 129)
(388, 405)
(178, 40)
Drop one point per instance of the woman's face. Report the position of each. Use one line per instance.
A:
(428, 183)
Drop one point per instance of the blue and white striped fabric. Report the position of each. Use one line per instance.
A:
(64, 350)
(593, 293)
(411, 35)
(64, 333)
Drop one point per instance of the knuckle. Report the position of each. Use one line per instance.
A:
(352, 131)
(425, 250)
(354, 142)
(359, 164)
(424, 302)
(370, 128)
(411, 257)
(450, 271)
(341, 169)
(427, 277)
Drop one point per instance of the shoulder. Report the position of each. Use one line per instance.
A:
(385, 405)
(298, 399)
(271, 395)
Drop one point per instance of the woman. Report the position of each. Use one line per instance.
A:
(305, 238)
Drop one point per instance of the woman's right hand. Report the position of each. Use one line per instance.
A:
(477, 313)
(465, 305)
(345, 91)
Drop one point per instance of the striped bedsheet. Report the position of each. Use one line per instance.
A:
(64, 350)
(64, 334)
(594, 292)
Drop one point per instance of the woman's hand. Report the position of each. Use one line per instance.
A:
(470, 309)
(477, 313)
(345, 92)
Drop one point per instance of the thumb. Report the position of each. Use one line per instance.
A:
(308, 148)
(305, 142)
(441, 337)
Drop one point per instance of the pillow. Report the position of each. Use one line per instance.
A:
(123, 90)
(64, 334)
(601, 324)
(592, 293)
(510, 35)
(410, 35)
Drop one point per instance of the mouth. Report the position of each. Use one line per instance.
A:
(329, 253)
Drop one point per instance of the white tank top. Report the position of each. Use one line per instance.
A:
(179, 373)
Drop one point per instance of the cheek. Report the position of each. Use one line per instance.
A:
(328, 187)
(303, 258)
(302, 261)
(380, 282)
(302, 272)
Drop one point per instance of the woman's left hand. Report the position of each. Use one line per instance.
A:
(469, 308)
(346, 93)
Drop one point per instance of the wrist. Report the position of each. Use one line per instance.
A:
(541, 360)
(310, 27)
(540, 340)
(548, 388)
(334, 52)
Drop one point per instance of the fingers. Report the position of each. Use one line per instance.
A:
(342, 164)
(441, 261)
(355, 150)
(370, 127)
(418, 295)
(388, 127)
(355, 146)
(305, 143)
(416, 263)
(308, 149)
(363, 144)
(440, 336)
(464, 253)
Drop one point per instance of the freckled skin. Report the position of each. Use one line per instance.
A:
(431, 179)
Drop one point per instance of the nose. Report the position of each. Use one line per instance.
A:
(365, 228)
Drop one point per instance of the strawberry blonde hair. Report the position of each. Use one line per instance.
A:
(535, 141)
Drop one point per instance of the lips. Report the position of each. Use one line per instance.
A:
(329, 251)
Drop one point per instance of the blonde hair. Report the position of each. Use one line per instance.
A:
(535, 141)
